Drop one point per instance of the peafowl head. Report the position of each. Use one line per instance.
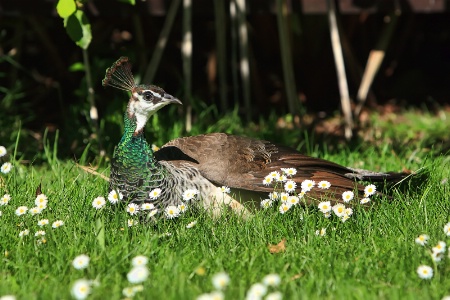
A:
(145, 99)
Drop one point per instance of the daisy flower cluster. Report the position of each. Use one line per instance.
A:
(133, 209)
(286, 196)
(7, 166)
(265, 288)
(82, 288)
(437, 252)
(136, 276)
(289, 198)
(339, 209)
(23, 212)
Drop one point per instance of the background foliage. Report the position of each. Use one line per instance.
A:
(44, 83)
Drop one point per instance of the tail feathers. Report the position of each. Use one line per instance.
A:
(360, 174)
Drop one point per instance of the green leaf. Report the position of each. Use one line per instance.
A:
(76, 67)
(65, 8)
(132, 2)
(100, 230)
(79, 29)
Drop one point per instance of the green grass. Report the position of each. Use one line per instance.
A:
(371, 256)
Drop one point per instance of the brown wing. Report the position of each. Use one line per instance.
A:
(242, 163)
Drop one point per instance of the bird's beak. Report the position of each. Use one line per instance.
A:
(171, 99)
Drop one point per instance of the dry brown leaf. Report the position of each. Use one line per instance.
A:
(297, 276)
(280, 247)
(92, 171)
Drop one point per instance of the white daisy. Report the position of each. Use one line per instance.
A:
(140, 260)
(364, 200)
(349, 211)
(2, 151)
(138, 274)
(99, 202)
(21, 210)
(307, 185)
(289, 171)
(81, 262)
(440, 247)
(57, 224)
(447, 229)
(43, 222)
(128, 292)
(257, 291)
(138, 288)
(34, 211)
(267, 180)
(153, 213)
(81, 289)
(171, 212)
(190, 194)
(274, 175)
(132, 222)
(191, 224)
(220, 280)
(24, 233)
(225, 189)
(204, 296)
(266, 203)
(347, 196)
(345, 218)
(272, 280)
(155, 193)
(115, 196)
(321, 232)
(339, 209)
(217, 295)
(42, 206)
(5, 199)
(274, 296)
(147, 206)
(422, 239)
(282, 178)
(293, 200)
(41, 199)
(425, 272)
(369, 190)
(290, 186)
(273, 196)
(284, 207)
(327, 214)
(6, 168)
(437, 256)
(132, 209)
(182, 207)
(324, 185)
(325, 206)
(39, 233)
(284, 197)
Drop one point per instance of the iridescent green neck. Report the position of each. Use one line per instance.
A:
(133, 146)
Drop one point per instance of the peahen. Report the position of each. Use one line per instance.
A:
(210, 161)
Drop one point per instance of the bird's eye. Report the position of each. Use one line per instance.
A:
(148, 96)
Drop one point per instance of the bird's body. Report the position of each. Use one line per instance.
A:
(208, 162)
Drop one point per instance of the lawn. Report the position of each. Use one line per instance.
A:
(373, 255)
